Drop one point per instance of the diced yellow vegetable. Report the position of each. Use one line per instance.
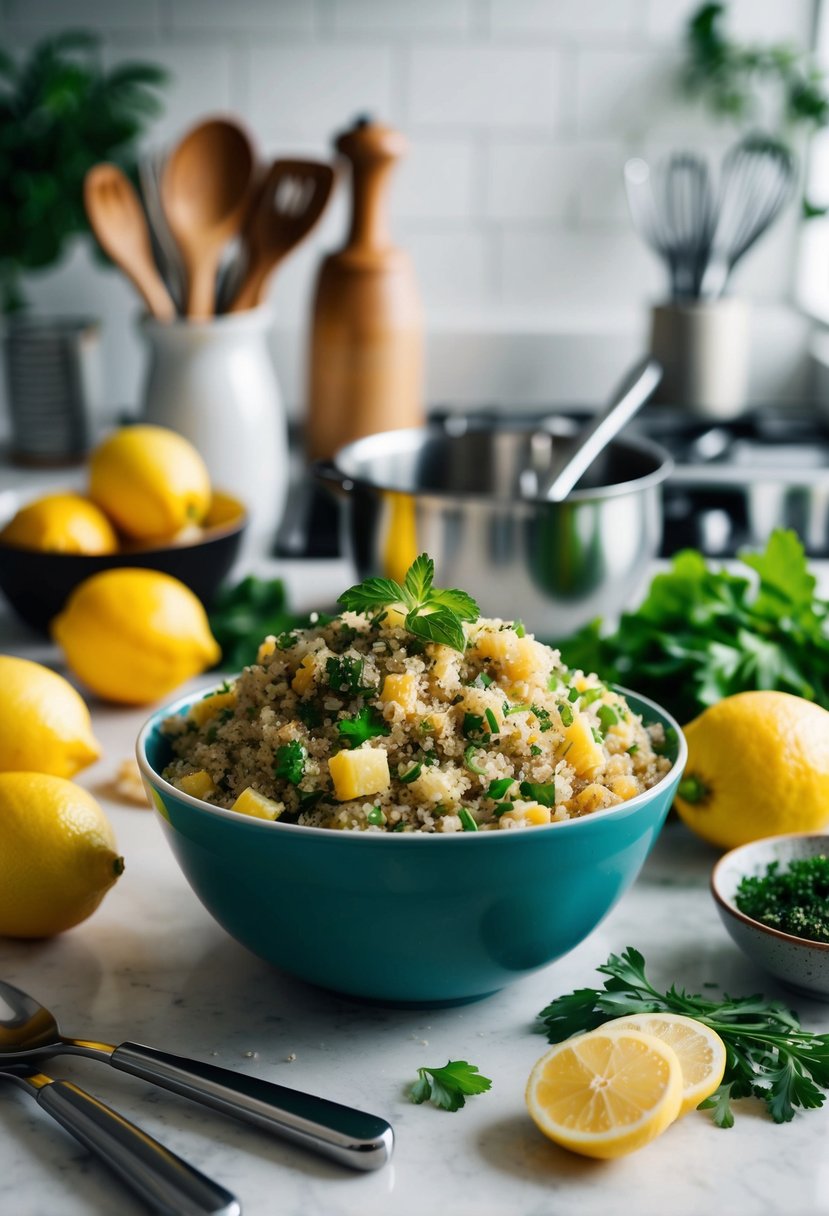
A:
(402, 689)
(580, 748)
(304, 677)
(394, 618)
(250, 802)
(625, 787)
(592, 798)
(518, 659)
(360, 773)
(437, 787)
(203, 710)
(198, 784)
(530, 813)
(445, 665)
(437, 723)
(266, 648)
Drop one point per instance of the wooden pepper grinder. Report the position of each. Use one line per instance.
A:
(366, 372)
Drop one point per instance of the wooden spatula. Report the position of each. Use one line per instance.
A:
(290, 200)
(118, 221)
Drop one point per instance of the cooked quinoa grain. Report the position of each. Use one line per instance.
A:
(359, 725)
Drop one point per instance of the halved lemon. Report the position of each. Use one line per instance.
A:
(701, 1051)
(606, 1093)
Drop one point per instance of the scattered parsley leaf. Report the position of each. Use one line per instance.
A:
(366, 724)
(545, 794)
(769, 1055)
(467, 820)
(499, 787)
(450, 1086)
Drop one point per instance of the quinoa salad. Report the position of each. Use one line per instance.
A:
(395, 717)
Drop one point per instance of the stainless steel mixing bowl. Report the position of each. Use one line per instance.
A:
(455, 491)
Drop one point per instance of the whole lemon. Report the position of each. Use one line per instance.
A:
(150, 481)
(59, 856)
(758, 765)
(134, 635)
(44, 723)
(61, 523)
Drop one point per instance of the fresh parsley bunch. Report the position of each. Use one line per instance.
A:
(431, 613)
(768, 1055)
(702, 634)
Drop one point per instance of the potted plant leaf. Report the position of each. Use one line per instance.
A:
(61, 111)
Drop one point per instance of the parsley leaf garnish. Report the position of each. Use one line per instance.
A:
(450, 1086)
(769, 1056)
(432, 613)
(545, 794)
(290, 762)
(346, 675)
(366, 724)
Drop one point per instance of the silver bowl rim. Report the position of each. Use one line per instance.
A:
(410, 438)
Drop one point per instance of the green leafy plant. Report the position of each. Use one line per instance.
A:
(738, 81)
(703, 633)
(246, 612)
(768, 1055)
(449, 1087)
(61, 112)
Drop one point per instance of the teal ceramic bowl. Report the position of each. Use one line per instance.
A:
(405, 918)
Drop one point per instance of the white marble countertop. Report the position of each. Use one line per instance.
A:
(152, 966)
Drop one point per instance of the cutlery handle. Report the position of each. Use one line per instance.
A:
(349, 1136)
(164, 1181)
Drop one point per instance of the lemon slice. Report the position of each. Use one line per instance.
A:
(606, 1093)
(701, 1052)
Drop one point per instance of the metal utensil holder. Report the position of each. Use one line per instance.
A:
(50, 377)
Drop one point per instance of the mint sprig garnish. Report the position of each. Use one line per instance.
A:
(432, 613)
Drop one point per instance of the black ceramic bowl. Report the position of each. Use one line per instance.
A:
(37, 585)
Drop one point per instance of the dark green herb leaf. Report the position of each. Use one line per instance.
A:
(566, 712)
(440, 626)
(432, 614)
(499, 787)
(545, 794)
(376, 817)
(366, 724)
(290, 762)
(467, 820)
(473, 724)
(370, 594)
(411, 774)
(492, 721)
(345, 674)
(469, 761)
(449, 1087)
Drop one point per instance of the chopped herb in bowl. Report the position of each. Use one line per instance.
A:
(794, 900)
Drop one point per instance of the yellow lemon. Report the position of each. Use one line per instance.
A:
(61, 523)
(700, 1051)
(59, 856)
(134, 635)
(758, 765)
(606, 1093)
(150, 481)
(44, 723)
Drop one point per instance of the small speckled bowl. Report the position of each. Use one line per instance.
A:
(795, 961)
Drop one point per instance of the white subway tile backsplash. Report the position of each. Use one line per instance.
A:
(317, 90)
(102, 16)
(590, 271)
(242, 16)
(378, 17)
(556, 182)
(601, 18)
(485, 86)
(453, 268)
(435, 181)
(634, 93)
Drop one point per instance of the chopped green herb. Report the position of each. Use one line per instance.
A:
(286, 640)
(794, 900)
(769, 1056)
(450, 1086)
(499, 787)
(366, 724)
(468, 822)
(308, 799)
(590, 695)
(669, 743)
(543, 715)
(345, 675)
(545, 794)
(535, 750)
(634, 747)
(518, 626)
(598, 737)
(501, 809)
(485, 679)
(553, 682)
(573, 695)
(607, 717)
(376, 816)
(225, 715)
(290, 762)
(491, 720)
(470, 763)
(473, 724)
(566, 712)
(411, 774)
(432, 614)
(251, 711)
(309, 714)
(515, 709)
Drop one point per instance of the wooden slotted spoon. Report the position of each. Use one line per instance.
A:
(205, 191)
(120, 226)
(291, 199)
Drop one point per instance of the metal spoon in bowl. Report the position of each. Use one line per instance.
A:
(629, 397)
(28, 1031)
(165, 1182)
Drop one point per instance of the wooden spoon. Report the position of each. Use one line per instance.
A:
(118, 221)
(206, 191)
(288, 204)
